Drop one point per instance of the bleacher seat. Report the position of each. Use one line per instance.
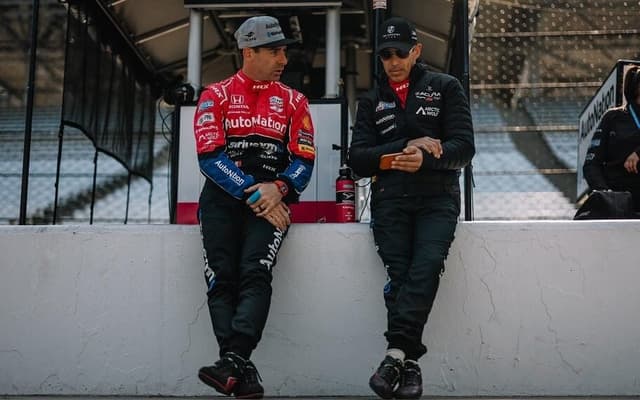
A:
(507, 185)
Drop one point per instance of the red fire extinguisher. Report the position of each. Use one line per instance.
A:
(345, 196)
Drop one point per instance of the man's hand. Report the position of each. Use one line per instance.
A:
(279, 216)
(631, 163)
(428, 144)
(269, 198)
(409, 161)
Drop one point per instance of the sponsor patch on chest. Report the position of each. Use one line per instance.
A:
(254, 121)
(385, 105)
(205, 118)
(388, 129)
(276, 104)
(384, 119)
(428, 111)
(429, 96)
(205, 105)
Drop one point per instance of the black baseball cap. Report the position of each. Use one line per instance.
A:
(397, 33)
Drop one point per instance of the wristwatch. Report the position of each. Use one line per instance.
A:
(282, 187)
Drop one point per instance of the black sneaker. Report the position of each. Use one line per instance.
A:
(249, 387)
(224, 374)
(410, 381)
(384, 381)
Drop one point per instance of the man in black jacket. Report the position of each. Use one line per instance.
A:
(424, 117)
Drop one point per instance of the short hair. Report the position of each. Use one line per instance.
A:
(632, 83)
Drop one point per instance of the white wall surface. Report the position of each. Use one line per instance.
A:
(524, 308)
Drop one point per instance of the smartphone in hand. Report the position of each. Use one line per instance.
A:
(385, 160)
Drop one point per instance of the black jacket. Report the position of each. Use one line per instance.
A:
(437, 107)
(616, 137)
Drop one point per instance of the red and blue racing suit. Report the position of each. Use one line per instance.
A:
(246, 132)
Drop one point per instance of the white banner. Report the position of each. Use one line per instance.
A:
(604, 99)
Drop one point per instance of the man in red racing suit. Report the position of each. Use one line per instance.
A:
(253, 131)
(254, 139)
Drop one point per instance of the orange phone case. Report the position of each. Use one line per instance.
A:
(385, 160)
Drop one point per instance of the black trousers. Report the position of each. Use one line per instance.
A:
(413, 236)
(240, 252)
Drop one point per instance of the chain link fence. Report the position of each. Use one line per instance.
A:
(118, 197)
(534, 66)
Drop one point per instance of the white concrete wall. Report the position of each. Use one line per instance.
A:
(524, 308)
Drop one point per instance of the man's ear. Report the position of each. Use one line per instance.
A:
(418, 50)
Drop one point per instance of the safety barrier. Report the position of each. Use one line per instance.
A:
(524, 308)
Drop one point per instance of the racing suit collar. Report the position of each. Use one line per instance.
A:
(251, 84)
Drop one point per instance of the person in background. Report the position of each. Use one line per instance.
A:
(612, 159)
(255, 145)
(419, 121)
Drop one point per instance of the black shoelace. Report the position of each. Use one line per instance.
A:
(389, 372)
(251, 374)
(411, 376)
(229, 360)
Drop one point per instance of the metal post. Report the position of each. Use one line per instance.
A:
(58, 166)
(379, 14)
(332, 72)
(26, 157)
(126, 211)
(194, 56)
(93, 186)
(62, 116)
(149, 204)
(463, 35)
(174, 159)
(351, 75)
(344, 131)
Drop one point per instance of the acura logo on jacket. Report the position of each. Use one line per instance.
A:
(429, 96)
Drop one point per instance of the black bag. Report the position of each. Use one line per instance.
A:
(603, 204)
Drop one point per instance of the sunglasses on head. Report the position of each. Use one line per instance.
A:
(386, 54)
